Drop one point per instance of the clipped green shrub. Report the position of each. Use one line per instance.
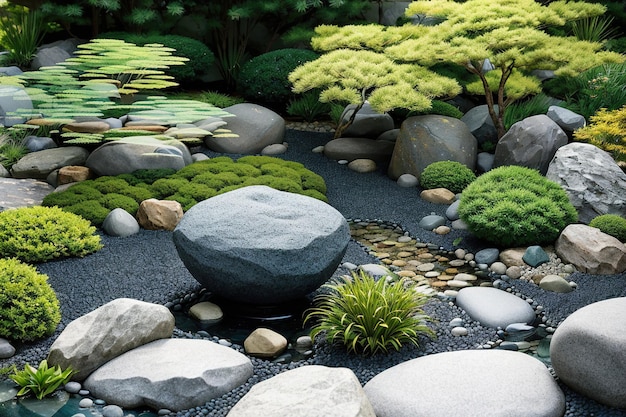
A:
(611, 224)
(109, 184)
(515, 206)
(436, 107)
(147, 176)
(447, 174)
(168, 186)
(29, 308)
(113, 200)
(264, 79)
(38, 234)
(368, 316)
(91, 210)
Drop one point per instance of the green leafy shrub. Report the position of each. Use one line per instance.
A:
(29, 308)
(41, 381)
(90, 210)
(308, 107)
(447, 174)
(369, 316)
(147, 176)
(108, 184)
(611, 224)
(38, 234)
(167, 186)
(515, 206)
(522, 109)
(113, 200)
(437, 107)
(607, 131)
(264, 79)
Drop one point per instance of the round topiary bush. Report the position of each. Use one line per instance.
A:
(263, 79)
(38, 234)
(447, 174)
(611, 224)
(516, 206)
(29, 308)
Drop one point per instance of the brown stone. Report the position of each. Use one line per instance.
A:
(513, 256)
(87, 127)
(156, 214)
(438, 196)
(591, 251)
(73, 173)
(265, 343)
(363, 166)
(147, 128)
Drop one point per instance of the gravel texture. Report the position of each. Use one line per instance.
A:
(146, 267)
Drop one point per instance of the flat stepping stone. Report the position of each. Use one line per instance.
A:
(16, 193)
(467, 383)
(493, 307)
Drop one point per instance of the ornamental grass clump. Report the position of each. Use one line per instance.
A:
(447, 174)
(516, 206)
(370, 316)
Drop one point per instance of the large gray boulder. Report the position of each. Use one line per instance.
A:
(368, 123)
(172, 374)
(23, 192)
(13, 98)
(481, 125)
(587, 351)
(255, 126)
(126, 155)
(466, 384)
(350, 149)
(110, 330)
(431, 138)
(40, 164)
(590, 250)
(261, 246)
(306, 391)
(594, 183)
(530, 143)
(493, 307)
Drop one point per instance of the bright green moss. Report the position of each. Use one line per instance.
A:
(446, 174)
(611, 224)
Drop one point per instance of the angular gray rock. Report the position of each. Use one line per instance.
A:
(493, 307)
(480, 125)
(40, 164)
(587, 351)
(261, 246)
(173, 374)
(431, 138)
(530, 143)
(105, 333)
(594, 183)
(368, 123)
(304, 392)
(566, 119)
(467, 383)
(120, 223)
(13, 98)
(590, 250)
(256, 127)
(126, 155)
(359, 148)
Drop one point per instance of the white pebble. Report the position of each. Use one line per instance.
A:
(459, 331)
(85, 403)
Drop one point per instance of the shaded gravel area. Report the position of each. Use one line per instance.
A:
(146, 267)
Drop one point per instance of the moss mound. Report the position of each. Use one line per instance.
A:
(446, 174)
(611, 224)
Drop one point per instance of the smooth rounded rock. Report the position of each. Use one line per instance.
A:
(120, 223)
(555, 283)
(407, 181)
(487, 256)
(494, 308)
(431, 222)
(6, 349)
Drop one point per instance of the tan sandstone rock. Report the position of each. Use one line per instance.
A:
(438, 196)
(156, 214)
(73, 173)
(265, 343)
(590, 250)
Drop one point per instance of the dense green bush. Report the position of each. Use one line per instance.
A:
(368, 316)
(446, 174)
(437, 107)
(200, 56)
(611, 224)
(38, 234)
(515, 206)
(29, 308)
(264, 79)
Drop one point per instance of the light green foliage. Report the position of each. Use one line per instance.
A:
(21, 34)
(611, 224)
(607, 131)
(522, 109)
(515, 206)
(368, 316)
(447, 174)
(211, 97)
(29, 308)
(38, 234)
(41, 381)
(12, 147)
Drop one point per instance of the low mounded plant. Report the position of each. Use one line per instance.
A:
(516, 206)
(611, 224)
(370, 316)
(29, 308)
(38, 234)
(607, 131)
(308, 107)
(447, 174)
(41, 381)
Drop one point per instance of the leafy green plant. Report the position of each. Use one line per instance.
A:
(308, 107)
(12, 147)
(41, 381)
(447, 174)
(516, 206)
(29, 308)
(369, 316)
(522, 109)
(607, 131)
(21, 35)
(611, 224)
(38, 234)
(594, 29)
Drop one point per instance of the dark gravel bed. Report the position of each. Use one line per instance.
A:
(146, 267)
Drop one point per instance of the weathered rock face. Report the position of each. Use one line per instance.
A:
(530, 143)
(431, 138)
(587, 351)
(368, 123)
(256, 127)
(306, 391)
(594, 183)
(590, 250)
(566, 119)
(156, 214)
(139, 152)
(351, 149)
(261, 246)
(71, 174)
(40, 164)
(173, 374)
(402, 390)
(110, 330)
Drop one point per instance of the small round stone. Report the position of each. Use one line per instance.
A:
(72, 387)
(85, 403)
(112, 411)
(459, 331)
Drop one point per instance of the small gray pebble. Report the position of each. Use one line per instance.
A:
(112, 411)
(85, 403)
(72, 387)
